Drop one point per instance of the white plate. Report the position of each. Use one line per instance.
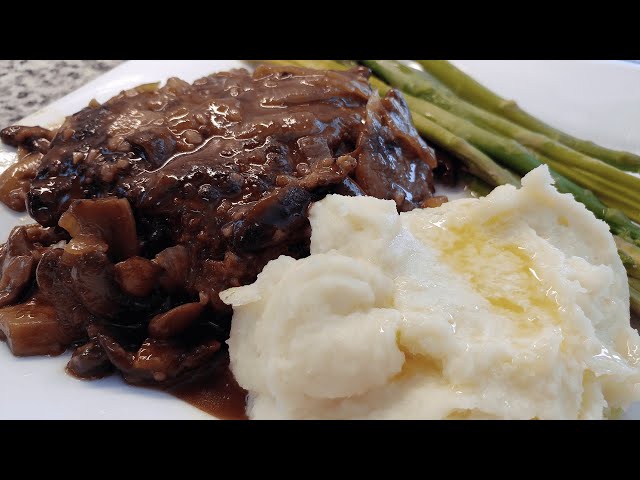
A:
(592, 99)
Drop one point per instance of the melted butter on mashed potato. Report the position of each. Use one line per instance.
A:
(511, 306)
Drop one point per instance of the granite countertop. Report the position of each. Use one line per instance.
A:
(27, 85)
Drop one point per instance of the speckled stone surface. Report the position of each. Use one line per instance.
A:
(27, 85)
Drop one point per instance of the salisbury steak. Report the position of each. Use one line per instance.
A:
(152, 203)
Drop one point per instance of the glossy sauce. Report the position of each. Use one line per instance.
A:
(218, 394)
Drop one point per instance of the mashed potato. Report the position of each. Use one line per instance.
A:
(511, 306)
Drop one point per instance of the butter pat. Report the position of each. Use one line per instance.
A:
(515, 305)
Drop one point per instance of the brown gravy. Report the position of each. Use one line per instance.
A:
(217, 394)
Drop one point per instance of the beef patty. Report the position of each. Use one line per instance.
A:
(152, 203)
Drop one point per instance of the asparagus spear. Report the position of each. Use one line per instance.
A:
(477, 163)
(634, 291)
(612, 201)
(477, 186)
(595, 182)
(630, 255)
(415, 83)
(613, 195)
(469, 89)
